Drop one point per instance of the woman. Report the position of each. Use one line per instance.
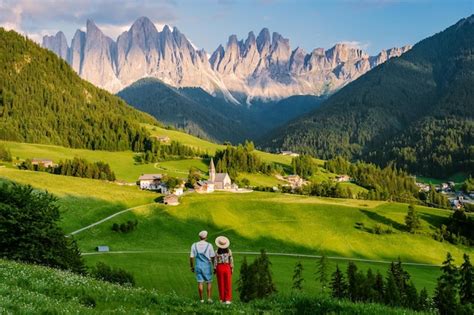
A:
(224, 267)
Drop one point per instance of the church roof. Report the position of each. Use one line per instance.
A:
(220, 177)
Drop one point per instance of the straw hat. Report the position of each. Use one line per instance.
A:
(222, 242)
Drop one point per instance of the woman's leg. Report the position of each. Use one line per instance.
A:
(228, 283)
(220, 273)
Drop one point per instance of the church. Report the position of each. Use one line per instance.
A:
(216, 181)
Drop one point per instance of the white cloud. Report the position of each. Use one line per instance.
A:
(356, 44)
(35, 17)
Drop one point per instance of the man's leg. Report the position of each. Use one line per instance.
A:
(200, 289)
(209, 290)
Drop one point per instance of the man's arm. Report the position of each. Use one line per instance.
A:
(191, 258)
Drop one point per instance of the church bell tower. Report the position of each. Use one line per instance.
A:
(212, 171)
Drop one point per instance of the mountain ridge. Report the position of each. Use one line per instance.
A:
(261, 67)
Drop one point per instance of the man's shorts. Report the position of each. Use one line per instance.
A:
(204, 274)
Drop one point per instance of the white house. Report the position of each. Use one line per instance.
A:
(151, 182)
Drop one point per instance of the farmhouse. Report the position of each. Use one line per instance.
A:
(171, 200)
(151, 182)
(290, 153)
(163, 139)
(342, 178)
(294, 180)
(43, 162)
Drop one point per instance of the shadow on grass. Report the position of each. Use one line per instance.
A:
(383, 220)
(435, 221)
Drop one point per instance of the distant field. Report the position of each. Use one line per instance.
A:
(458, 178)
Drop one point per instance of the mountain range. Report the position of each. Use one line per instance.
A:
(415, 111)
(262, 67)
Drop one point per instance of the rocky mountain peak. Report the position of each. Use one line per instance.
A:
(262, 66)
(263, 40)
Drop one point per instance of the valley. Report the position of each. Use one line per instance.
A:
(341, 179)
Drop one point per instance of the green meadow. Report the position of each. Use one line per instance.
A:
(287, 226)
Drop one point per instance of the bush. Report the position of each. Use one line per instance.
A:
(5, 154)
(113, 275)
(125, 227)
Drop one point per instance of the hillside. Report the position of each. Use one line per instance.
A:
(170, 106)
(42, 100)
(286, 224)
(28, 289)
(201, 114)
(414, 110)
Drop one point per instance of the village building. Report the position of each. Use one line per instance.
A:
(216, 181)
(102, 248)
(342, 178)
(171, 200)
(290, 153)
(294, 180)
(43, 162)
(163, 139)
(151, 182)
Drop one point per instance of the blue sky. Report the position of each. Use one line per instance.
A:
(370, 24)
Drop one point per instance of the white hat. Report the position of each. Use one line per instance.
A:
(222, 242)
(203, 234)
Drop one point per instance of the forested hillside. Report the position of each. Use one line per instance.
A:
(42, 100)
(211, 117)
(415, 110)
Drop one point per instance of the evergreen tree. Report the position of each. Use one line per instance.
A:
(298, 277)
(379, 288)
(446, 294)
(322, 272)
(264, 280)
(412, 298)
(466, 291)
(352, 281)
(412, 220)
(29, 229)
(245, 282)
(338, 284)
(392, 294)
(424, 302)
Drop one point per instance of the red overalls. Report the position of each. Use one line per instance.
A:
(224, 276)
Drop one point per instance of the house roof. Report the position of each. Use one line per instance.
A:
(220, 177)
(41, 160)
(102, 248)
(150, 176)
(171, 197)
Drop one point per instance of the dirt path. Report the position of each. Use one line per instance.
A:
(109, 217)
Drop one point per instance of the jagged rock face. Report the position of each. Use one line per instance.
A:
(58, 44)
(262, 67)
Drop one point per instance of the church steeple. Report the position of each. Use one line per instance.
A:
(212, 171)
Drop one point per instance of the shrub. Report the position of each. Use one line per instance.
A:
(113, 275)
(125, 227)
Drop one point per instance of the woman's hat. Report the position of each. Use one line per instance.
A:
(222, 242)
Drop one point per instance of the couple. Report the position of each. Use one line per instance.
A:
(203, 260)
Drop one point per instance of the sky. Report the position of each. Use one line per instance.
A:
(372, 25)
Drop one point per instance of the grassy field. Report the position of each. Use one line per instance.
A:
(27, 289)
(280, 224)
(82, 201)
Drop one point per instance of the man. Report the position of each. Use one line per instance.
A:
(200, 261)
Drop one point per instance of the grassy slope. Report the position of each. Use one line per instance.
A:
(252, 221)
(27, 289)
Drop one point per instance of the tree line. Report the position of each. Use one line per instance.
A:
(242, 158)
(77, 167)
(155, 151)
